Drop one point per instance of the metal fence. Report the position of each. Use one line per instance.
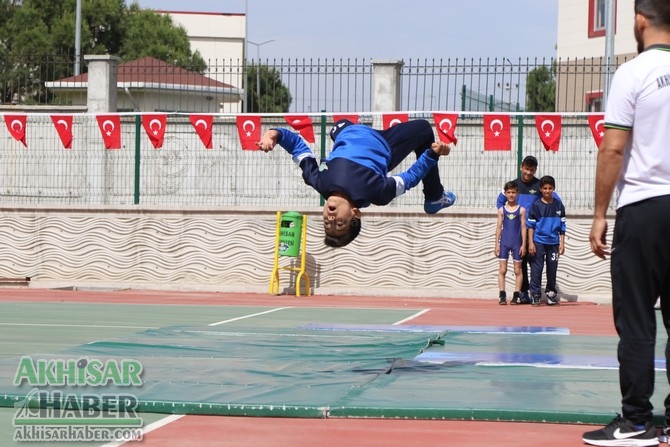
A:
(184, 173)
(345, 85)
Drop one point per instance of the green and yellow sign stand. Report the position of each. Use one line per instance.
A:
(290, 241)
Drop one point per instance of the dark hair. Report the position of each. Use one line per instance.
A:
(657, 12)
(547, 180)
(529, 161)
(341, 241)
(512, 184)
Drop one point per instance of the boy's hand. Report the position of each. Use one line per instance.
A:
(268, 140)
(531, 249)
(440, 148)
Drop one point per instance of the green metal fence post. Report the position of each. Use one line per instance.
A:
(323, 146)
(519, 143)
(138, 129)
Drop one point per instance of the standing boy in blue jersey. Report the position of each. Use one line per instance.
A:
(355, 174)
(546, 234)
(510, 240)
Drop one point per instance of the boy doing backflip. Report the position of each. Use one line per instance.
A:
(510, 240)
(546, 234)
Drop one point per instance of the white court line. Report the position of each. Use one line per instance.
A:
(249, 316)
(149, 428)
(77, 325)
(411, 317)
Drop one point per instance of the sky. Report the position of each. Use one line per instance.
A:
(390, 29)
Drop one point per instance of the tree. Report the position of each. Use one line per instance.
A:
(541, 90)
(37, 41)
(275, 97)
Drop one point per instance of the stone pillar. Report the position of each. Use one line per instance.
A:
(102, 75)
(386, 85)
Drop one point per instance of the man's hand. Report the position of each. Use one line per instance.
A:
(440, 148)
(268, 140)
(597, 237)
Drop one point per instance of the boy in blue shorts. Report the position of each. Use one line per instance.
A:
(510, 240)
(355, 174)
(546, 234)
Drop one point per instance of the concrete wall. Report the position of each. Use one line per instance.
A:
(398, 253)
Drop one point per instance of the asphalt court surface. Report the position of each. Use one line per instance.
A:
(300, 361)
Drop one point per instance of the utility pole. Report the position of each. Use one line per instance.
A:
(258, 68)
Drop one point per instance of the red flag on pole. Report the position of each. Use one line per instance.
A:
(110, 128)
(63, 125)
(303, 125)
(391, 119)
(497, 135)
(549, 129)
(597, 125)
(203, 126)
(352, 118)
(16, 125)
(154, 126)
(249, 130)
(445, 123)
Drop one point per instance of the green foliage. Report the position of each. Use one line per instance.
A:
(37, 41)
(275, 97)
(541, 90)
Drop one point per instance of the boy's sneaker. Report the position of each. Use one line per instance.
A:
(502, 298)
(535, 300)
(516, 298)
(448, 198)
(622, 432)
(552, 299)
(665, 434)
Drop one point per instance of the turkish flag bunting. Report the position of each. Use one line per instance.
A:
(110, 128)
(497, 135)
(249, 130)
(16, 125)
(154, 126)
(63, 125)
(391, 119)
(203, 126)
(445, 123)
(597, 125)
(352, 118)
(549, 129)
(303, 125)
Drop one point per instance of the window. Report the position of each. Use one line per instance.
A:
(598, 17)
(594, 101)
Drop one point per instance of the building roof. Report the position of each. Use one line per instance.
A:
(151, 73)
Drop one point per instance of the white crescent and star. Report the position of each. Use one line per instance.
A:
(244, 127)
(203, 122)
(494, 122)
(547, 133)
(63, 123)
(448, 121)
(600, 123)
(14, 123)
(151, 125)
(107, 123)
(394, 122)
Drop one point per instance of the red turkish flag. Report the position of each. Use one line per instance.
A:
(497, 135)
(154, 126)
(16, 125)
(110, 128)
(352, 118)
(303, 125)
(391, 119)
(203, 126)
(597, 125)
(549, 129)
(249, 130)
(445, 123)
(63, 125)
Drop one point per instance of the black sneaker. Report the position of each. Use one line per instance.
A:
(665, 434)
(516, 298)
(502, 298)
(535, 300)
(622, 432)
(525, 298)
